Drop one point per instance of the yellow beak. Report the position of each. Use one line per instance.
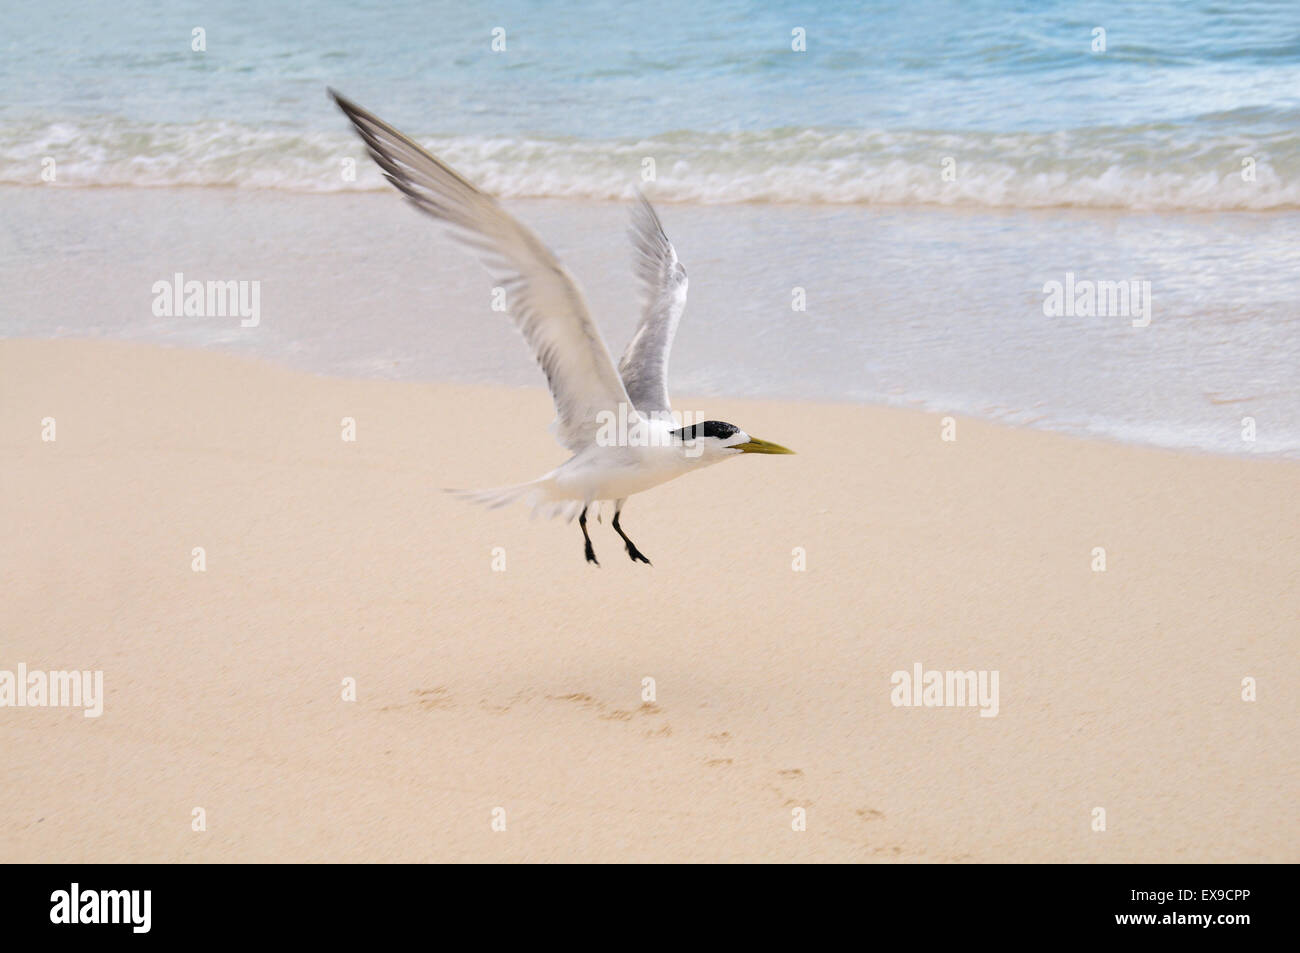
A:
(754, 445)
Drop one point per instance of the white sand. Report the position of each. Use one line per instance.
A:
(523, 689)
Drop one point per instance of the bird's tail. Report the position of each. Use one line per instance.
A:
(535, 494)
(499, 496)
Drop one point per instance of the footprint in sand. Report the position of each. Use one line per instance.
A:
(427, 699)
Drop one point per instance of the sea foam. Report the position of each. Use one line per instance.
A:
(1157, 168)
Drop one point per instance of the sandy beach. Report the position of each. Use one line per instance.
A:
(522, 689)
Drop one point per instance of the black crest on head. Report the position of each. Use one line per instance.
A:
(710, 428)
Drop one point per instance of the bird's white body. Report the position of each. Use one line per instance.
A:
(615, 473)
(612, 473)
(549, 311)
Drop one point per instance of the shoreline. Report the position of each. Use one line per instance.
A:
(914, 407)
(524, 689)
(358, 285)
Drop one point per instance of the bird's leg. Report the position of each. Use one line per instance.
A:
(590, 553)
(633, 553)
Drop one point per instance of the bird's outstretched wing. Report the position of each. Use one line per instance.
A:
(644, 366)
(541, 296)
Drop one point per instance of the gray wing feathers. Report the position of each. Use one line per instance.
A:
(541, 296)
(644, 366)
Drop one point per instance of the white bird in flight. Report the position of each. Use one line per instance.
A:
(617, 422)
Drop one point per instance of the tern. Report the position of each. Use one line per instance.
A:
(616, 420)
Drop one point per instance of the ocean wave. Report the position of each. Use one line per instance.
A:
(1167, 167)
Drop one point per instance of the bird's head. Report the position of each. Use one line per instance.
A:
(714, 439)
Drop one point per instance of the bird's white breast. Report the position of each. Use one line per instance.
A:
(615, 472)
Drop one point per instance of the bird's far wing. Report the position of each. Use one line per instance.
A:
(541, 296)
(644, 365)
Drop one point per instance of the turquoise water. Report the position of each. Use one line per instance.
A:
(1013, 92)
(822, 169)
